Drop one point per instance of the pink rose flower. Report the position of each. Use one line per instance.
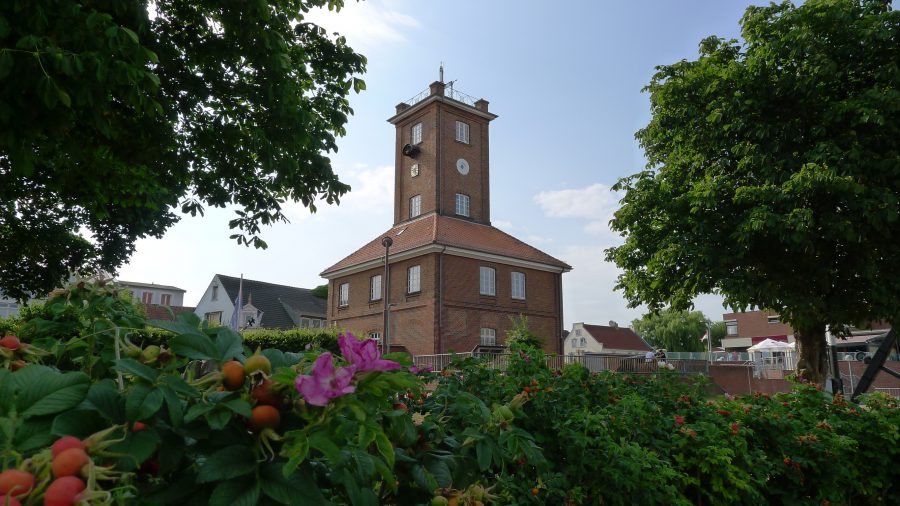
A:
(326, 382)
(364, 355)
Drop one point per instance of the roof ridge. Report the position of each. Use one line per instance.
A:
(265, 282)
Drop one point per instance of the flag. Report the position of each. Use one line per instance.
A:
(238, 306)
(704, 337)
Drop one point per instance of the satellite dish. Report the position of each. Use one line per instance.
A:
(613, 324)
(410, 150)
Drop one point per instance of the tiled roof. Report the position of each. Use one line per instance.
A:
(281, 305)
(617, 338)
(158, 312)
(447, 231)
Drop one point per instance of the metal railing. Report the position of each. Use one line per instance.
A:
(593, 362)
(893, 392)
(449, 92)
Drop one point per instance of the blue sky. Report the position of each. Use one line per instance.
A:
(565, 79)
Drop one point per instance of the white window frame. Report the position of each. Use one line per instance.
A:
(218, 317)
(487, 281)
(774, 319)
(344, 295)
(488, 336)
(415, 206)
(517, 285)
(147, 297)
(462, 132)
(375, 288)
(731, 323)
(462, 205)
(165, 299)
(375, 335)
(415, 134)
(414, 279)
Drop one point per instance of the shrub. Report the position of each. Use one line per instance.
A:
(293, 340)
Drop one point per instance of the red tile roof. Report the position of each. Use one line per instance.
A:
(447, 231)
(617, 338)
(157, 312)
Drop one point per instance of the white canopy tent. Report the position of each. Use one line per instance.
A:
(770, 357)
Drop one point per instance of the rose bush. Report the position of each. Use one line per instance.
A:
(91, 413)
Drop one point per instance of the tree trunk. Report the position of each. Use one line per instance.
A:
(812, 365)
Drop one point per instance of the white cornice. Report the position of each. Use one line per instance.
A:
(434, 98)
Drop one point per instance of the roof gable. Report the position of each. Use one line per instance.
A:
(281, 305)
(617, 338)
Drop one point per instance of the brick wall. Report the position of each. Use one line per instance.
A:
(756, 324)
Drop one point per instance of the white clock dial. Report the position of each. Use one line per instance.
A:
(462, 166)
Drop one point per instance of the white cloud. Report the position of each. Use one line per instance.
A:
(595, 203)
(366, 25)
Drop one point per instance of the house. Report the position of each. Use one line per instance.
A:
(8, 307)
(455, 281)
(604, 339)
(744, 329)
(265, 305)
(151, 293)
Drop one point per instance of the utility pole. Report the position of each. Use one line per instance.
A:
(386, 286)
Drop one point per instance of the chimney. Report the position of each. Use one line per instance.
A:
(402, 106)
(437, 88)
(482, 105)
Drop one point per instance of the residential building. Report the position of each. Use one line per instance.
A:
(744, 329)
(151, 293)
(604, 339)
(265, 305)
(8, 307)
(455, 280)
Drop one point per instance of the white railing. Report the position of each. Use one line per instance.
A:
(893, 392)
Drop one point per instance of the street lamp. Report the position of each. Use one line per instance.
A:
(386, 286)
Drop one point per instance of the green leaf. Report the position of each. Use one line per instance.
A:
(298, 488)
(106, 399)
(34, 434)
(64, 97)
(227, 463)
(143, 402)
(174, 406)
(79, 423)
(235, 493)
(44, 391)
(483, 455)
(385, 448)
(239, 406)
(441, 472)
(133, 367)
(6, 63)
(219, 417)
(198, 410)
(229, 344)
(194, 346)
(322, 441)
(179, 385)
(136, 448)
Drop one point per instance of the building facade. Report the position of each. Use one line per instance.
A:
(151, 293)
(456, 282)
(604, 339)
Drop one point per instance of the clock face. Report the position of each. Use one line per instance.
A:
(414, 170)
(462, 166)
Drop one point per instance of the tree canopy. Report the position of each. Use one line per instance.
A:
(773, 173)
(673, 330)
(113, 119)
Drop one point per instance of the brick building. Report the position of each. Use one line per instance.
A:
(455, 281)
(744, 329)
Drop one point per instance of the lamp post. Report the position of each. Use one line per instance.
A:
(386, 286)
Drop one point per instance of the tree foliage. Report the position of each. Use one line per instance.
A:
(673, 330)
(113, 120)
(773, 172)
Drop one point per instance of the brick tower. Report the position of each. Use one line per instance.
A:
(455, 280)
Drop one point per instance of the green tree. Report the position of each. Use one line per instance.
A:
(521, 335)
(673, 330)
(718, 331)
(772, 174)
(113, 120)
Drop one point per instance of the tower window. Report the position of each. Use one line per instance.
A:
(414, 279)
(415, 206)
(462, 204)
(518, 285)
(415, 134)
(487, 281)
(375, 288)
(462, 132)
(344, 295)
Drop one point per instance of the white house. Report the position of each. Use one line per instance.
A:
(265, 305)
(604, 339)
(151, 293)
